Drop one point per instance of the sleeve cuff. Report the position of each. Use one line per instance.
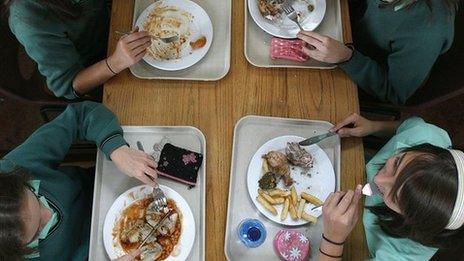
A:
(111, 143)
(76, 95)
(355, 64)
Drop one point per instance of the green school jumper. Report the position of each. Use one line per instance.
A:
(411, 132)
(395, 50)
(68, 189)
(61, 47)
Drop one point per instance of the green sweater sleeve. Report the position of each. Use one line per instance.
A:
(80, 121)
(407, 66)
(47, 43)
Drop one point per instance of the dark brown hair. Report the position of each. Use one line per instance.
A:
(425, 191)
(13, 186)
(451, 5)
(65, 9)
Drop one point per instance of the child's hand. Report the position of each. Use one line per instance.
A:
(135, 163)
(324, 48)
(340, 213)
(129, 50)
(362, 127)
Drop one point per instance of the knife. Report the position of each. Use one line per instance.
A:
(316, 139)
(155, 228)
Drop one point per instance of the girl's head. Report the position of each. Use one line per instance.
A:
(22, 216)
(419, 186)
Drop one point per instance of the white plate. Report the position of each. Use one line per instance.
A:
(321, 182)
(286, 28)
(114, 250)
(200, 26)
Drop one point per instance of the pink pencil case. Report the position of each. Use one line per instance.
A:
(288, 49)
(291, 245)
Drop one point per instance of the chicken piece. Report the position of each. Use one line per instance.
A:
(278, 164)
(298, 156)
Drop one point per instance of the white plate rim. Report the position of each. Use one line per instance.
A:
(272, 29)
(188, 222)
(180, 64)
(252, 184)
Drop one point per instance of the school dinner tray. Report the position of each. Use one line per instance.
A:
(110, 183)
(257, 41)
(250, 133)
(216, 63)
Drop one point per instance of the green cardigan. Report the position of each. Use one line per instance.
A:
(395, 50)
(69, 189)
(61, 47)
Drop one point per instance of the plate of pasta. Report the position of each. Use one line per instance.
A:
(131, 219)
(184, 19)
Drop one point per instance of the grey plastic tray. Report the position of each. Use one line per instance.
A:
(215, 64)
(250, 133)
(110, 183)
(257, 41)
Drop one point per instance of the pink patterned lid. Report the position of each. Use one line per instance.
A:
(291, 245)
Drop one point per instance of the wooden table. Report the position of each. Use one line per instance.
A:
(215, 107)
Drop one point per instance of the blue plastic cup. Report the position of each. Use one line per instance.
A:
(251, 232)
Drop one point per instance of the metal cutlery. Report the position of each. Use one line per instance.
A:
(169, 39)
(316, 139)
(370, 189)
(155, 228)
(159, 199)
(291, 13)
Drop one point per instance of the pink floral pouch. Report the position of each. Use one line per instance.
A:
(289, 49)
(292, 245)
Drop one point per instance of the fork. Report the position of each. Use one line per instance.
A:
(291, 14)
(169, 39)
(159, 199)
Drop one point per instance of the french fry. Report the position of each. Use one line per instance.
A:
(266, 204)
(309, 217)
(301, 207)
(292, 211)
(284, 213)
(279, 193)
(294, 195)
(278, 200)
(311, 199)
(265, 166)
(268, 198)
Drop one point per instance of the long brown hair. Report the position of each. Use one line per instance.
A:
(425, 191)
(13, 187)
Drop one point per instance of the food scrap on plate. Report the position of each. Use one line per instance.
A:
(198, 43)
